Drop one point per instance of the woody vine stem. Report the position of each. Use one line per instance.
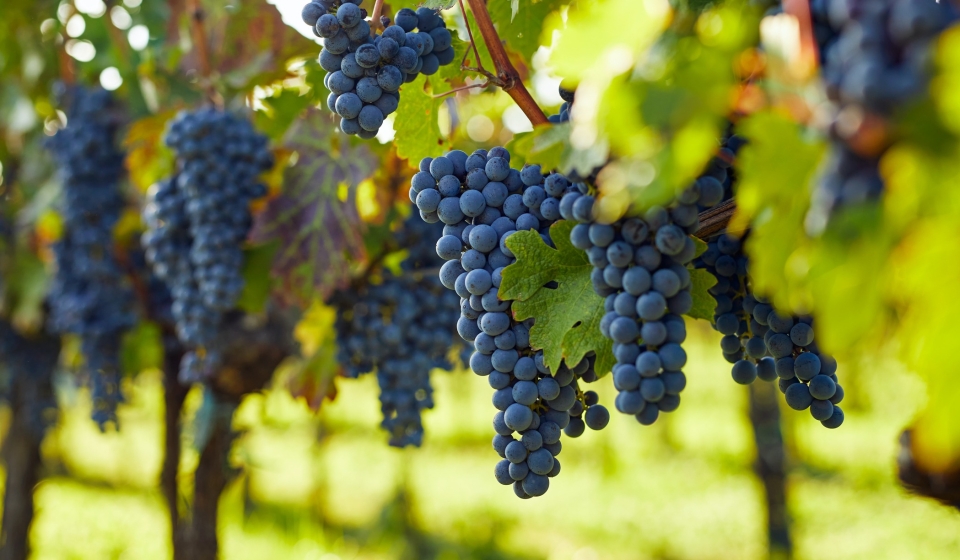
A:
(506, 73)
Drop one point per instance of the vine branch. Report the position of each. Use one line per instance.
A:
(68, 70)
(508, 75)
(198, 35)
(715, 220)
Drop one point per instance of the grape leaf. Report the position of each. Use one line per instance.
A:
(568, 317)
(520, 26)
(280, 111)
(254, 43)
(314, 219)
(439, 4)
(418, 133)
(256, 277)
(26, 289)
(704, 304)
(148, 159)
(545, 144)
(700, 244)
(141, 348)
(312, 375)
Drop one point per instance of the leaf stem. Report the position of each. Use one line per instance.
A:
(461, 88)
(512, 84)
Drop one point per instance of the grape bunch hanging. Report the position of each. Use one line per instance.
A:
(401, 328)
(641, 269)
(482, 202)
(89, 295)
(762, 343)
(876, 59)
(365, 72)
(197, 222)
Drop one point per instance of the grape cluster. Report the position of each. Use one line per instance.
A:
(197, 222)
(482, 202)
(760, 342)
(876, 60)
(89, 295)
(402, 329)
(640, 268)
(419, 238)
(365, 73)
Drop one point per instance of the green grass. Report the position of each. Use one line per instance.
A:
(326, 487)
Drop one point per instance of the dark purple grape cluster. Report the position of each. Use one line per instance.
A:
(90, 295)
(365, 72)
(762, 343)
(197, 222)
(402, 329)
(877, 60)
(482, 201)
(640, 267)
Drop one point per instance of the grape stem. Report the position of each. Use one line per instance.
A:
(375, 17)
(506, 73)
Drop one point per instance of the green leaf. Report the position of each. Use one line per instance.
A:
(701, 246)
(775, 172)
(27, 289)
(417, 131)
(662, 94)
(314, 219)
(281, 109)
(704, 304)
(567, 318)
(256, 277)
(595, 30)
(520, 24)
(148, 158)
(545, 145)
(439, 4)
(142, 348)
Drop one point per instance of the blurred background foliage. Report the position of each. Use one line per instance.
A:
(326, 485)
(657, 83)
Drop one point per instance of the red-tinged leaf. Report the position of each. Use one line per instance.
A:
(314, 219)
(313, 374)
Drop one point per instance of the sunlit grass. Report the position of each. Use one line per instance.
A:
(325, 488)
